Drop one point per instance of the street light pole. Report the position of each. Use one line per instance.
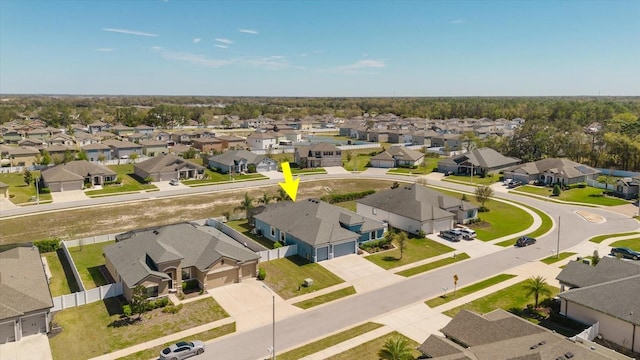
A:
(558, 243)
(273, 322)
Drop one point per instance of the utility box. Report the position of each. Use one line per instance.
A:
(308, 282)
(586, 261)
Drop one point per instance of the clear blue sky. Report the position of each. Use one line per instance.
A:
(320, 48)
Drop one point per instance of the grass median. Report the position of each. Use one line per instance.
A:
(369, 350)
(468, 290)
(433, 265)
(544, 227)
(322, 299)
(601, 238)
(553, 259)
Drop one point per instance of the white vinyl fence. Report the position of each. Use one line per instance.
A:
(281, 252)
(87, 296)
(361, 146)
(72, 264)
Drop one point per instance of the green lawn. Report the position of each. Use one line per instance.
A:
(308, 171)
(357, 162)
(203, 336)
(319, 300)
(543, 229)
(633, 244)
(99, 326)
(467, 290)
(349, 205)
(476, 180)
(130, 182)
(416, 249)
(433, 265)
(512, 298)
(19, 192)
(369, 350)
(319, 345)
(586, 195)
(285, 276)
(601, 238)
(245, 229)
(552, 259)
(213, 177)
(89, 260)
(429, 164)
(59, 284)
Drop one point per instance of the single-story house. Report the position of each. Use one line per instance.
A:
(73, 175)
(606, 294)
(320, 154)
(162, 258)
(478, 161)
(167, 167)
(397, 156)
(25, 299)
(503, 335)
(83, 139)
(123, 149)
(238, 161)
(320, 230)
(97, 152)
(58, 152)
(4, 190)
(179, 149)
(449, 142)
(551, 171)
(61, 139)
(627, 188)
(414, 207)
(144, 129)
(152, 147)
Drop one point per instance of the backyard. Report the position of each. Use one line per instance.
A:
(19, 191)
(102, 330)
(586, 195)
(285, 276)
(416, 250)
(90, 263)
(244, 227)
(62, 281)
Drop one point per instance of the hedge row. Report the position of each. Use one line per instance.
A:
(47, 245)
(336, 198)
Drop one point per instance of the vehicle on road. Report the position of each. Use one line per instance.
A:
(174, 182)
(450, 235)
(182, 350)
(625, 253)
(525, 241)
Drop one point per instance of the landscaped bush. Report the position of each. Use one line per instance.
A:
(376, 245)
(277, 244)
(45, 190)
(251, 168)
(556, 190)
(190, 285)
(47, 245)
(408, 166)
(126, 310)
(172, 309)
(576, 185)
(162, 302)
(336, 198)
(421, 234)
(262, 274)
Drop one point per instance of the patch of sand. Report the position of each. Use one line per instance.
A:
(592, 218)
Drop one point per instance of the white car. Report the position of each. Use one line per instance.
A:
(468, 233)
(174, 182)
(182, 350)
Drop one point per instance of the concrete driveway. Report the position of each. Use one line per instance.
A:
(360, 272)
(34, 347)
(67, 196)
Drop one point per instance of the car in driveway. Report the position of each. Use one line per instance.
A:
(467, 234)
(182, 350)
(451, 235)
(525, 241)
(625, 253)
(174, 182)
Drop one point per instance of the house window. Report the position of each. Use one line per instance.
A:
(186, 273)
(152, 291)
(273, 232)
(282, 235)
(372, 235)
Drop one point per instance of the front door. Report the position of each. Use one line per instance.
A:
(170, 280)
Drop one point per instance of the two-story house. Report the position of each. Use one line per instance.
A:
(321, 154)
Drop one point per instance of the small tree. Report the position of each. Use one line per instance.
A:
(401, 238)
(68, 156)
(101, 158)
(483, 193)
(556, 190)
(82, 155)
(189, 154)
(464, 197)
(595, 259)
(537, 286)
(282, 195)
(246, 205)
(265, 199)
(46, 158)
(139, 300)
(27, 176)
(396, 348)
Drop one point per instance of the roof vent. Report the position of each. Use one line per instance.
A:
(568, 355)
(156, 232)
(534, 346)
(542, 342)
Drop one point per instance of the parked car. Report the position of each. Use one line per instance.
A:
(514, 184)
(174, 182)
(448, 173)
(525, 241)
(467, 234)
(508, 181)
(625, 253)
(450, 235)
(182, 350)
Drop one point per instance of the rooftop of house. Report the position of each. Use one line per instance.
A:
(558, 166)
(483, 157)
(231, 156)
(165, 163)
(75, 170)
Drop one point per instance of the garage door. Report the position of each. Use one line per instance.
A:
(7, 332)
(344, 249)
(322, 253)
(249, 270)
(266, 167)
(34, 325)
(443, 225)
(222, 278)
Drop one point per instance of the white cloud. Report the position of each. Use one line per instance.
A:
(248, 31)
(225, 41)
(303, 55)
(195, 59)
(130, 32)
(361, 66)
(196, 40)
(365, 54)
(269, 62)
(221, 46)
(105, 49)
(457, 21)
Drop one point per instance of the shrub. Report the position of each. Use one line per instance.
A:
(262, 274)
(149, 305)
(162, 302)
(483, 209)
(190, 285)
(464, 197)
(45, 190)
(251, 168)
(376, 244)
(172, 309)
(336, 198)
(47, 245)
(556, 190)
(421, 234)
(277, 244)
(126, 310)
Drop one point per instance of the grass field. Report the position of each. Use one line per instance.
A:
(433, 265)
(586, 195)
(553, 258)
(243, 227)
(601, 238)
(369, 350)
(633, 244)
(322, 299)
(416, 249)
(467, 290)
(19, 192)
(543, 229)
(89, 260)
(357, 162)
(475, 180)
(285, 276)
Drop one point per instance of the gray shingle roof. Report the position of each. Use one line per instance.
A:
(23, 283)
(122, 144)
(75, 170)
(166, 163)
(577, 274)
(559, 166)
(316, 222)
(236, 155)
(486, 158)
(415, 202)
(194, 245)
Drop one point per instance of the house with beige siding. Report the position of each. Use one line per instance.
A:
(166, 167)
(163, 258)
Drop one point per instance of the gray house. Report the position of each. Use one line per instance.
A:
(318, 155)
(73, 175)
(414, 207)
(25, 299)
(238, 161)
(628, 188)
(397, 156)
(97, 151)
(551, 171)
(321, 231)
(162, 258)
(478, 161)
(123, 149)
(167, 167)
